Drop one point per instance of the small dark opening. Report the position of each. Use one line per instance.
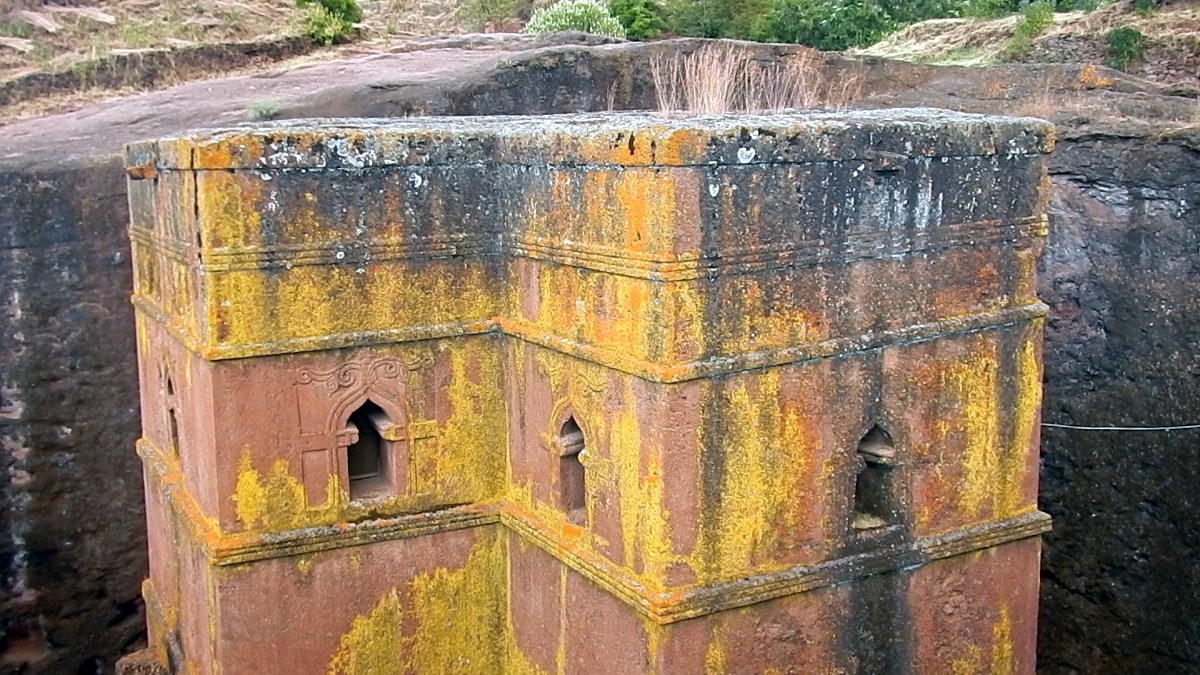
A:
(172, 430)
(571, 472)
(170, 387)
(365, 457)
(873, 507)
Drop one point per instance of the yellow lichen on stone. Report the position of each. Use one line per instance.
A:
(714, 656)
(644, 530)
(277, 504)
(1002, 646)
(459, 615)
(764, 447)
(374, 645)
(973, 381)
(456, 618)
(469, 463)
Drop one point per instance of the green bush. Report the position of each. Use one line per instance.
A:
(1035, 19)
(588, 16)
(1126, 46)
(328, 21)
(829, 25)
(1145, 7)
(321, 26)
(347, 10)
(642, 19)
(904, 12)
(714, 18)
(987, 9)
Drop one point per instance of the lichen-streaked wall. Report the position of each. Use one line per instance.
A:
(646, 349)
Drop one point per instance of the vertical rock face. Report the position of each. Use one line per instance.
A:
(68, 413)
(1120, 579)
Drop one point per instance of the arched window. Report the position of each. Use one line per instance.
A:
(572, 476)
(366, 460)
(874, 501)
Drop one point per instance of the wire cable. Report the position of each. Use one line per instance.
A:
(1180, 427)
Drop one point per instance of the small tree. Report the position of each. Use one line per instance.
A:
(1125, 47)
(642, 19)
(830, 25)
(327, 21)
(588, 16)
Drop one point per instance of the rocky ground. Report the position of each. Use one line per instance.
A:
(1119, 579)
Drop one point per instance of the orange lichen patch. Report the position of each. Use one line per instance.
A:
(1090, 78)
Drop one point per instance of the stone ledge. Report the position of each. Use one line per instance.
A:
(662, 606)
(667, 373)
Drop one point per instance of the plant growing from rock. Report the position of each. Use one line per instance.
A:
(589, 16)
(1126, 46)
(267, 109)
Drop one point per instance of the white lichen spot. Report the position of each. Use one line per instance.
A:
(340, 255)
(415, 180)
(745, 155)
(713, 189)
(351, 154)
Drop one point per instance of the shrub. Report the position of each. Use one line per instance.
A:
(588, 16)
(830, 25)
(327, 21)
(322, 26)
(1035, 19)
(642, 19)
(1125, 47)
(266, 109)
(904, 12)
(987, 9)
(714, 18)
(1145, 7)
(347, 10)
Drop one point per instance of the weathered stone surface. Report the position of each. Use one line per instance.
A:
(67, 406)
(707, 364)
(1155, 620)
(1121, 587)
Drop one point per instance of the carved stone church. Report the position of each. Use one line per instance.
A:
(614, 393)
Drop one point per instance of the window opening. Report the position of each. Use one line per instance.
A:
(365, 458)
(172, 431)
(875, 459)
(572, 476)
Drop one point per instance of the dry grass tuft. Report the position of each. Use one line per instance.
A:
(724, 78)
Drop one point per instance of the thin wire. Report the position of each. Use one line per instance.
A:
(1180, 427)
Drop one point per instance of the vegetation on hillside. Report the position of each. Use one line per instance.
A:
(1158, 39)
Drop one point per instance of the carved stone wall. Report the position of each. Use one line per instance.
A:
(678, 378)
